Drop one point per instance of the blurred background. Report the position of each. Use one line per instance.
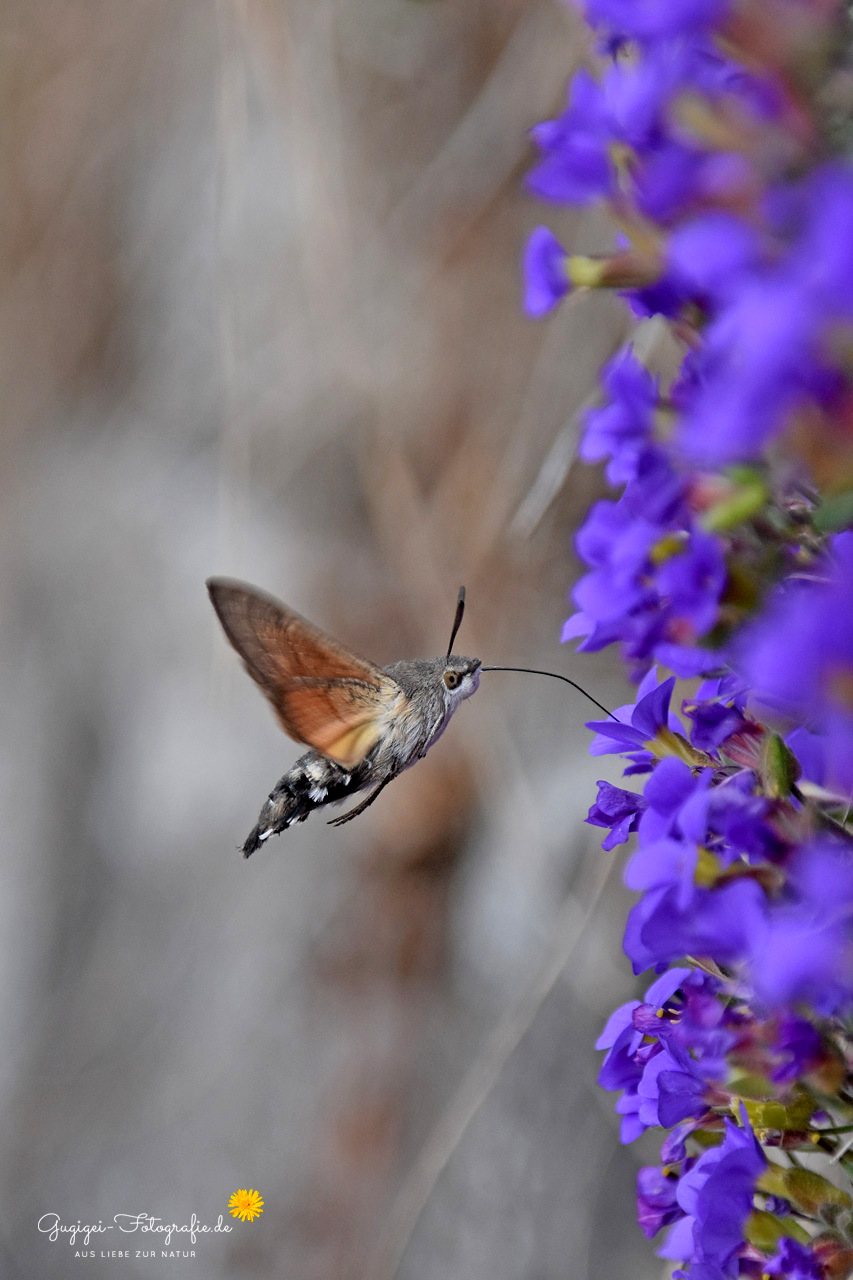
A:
(260, 316)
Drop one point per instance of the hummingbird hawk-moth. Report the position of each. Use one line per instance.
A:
(364, 724)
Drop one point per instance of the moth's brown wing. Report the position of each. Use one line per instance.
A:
(277, 643)
(342, 719)
(323, 695)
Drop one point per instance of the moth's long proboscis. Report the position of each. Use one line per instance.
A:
(532, 671)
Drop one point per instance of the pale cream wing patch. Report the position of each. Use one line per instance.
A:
(342, 719)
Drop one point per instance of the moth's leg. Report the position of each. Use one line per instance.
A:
(360, 808)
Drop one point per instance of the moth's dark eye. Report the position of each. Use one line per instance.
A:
(451, 679)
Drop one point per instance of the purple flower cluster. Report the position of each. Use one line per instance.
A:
(721, 867)
(666, 1052)
(751, 1033)
(763, 356)
(656, 576)
(711, 133)
(715, 1195)
(672, 1055)
(798, 657)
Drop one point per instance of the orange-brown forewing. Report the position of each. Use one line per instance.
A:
(323, 695)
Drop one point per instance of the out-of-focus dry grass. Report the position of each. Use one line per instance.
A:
(259, 315)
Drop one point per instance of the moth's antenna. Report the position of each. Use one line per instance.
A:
(457, 622)
(532, 672)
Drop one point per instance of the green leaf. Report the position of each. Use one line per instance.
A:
(779, 767)
(747, 497)
(772, 1180)
(707, 1138)
(749, 1085)
(775, 1115)
(811, 1192)
(765, 1230)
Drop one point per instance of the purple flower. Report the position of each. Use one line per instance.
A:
(764, 350)
(648, 716)
(664, 1052)
(663, 989)
(664, 1085)
(670, 787)
(716, 1195)
(711, 254)
(713, 722)
(545, 277)
(716, 713)
(798, 1047)
(653, 19)
(707, 1028)
(617, 809)
(693, 581)
(687, 660)
(804, 951)
(810, 750)
(721, 923)
(662, 864)
(795, 1262)
(666, 183)
(620, 1020)
(673, 1148)
(754, 363)
(576, 168)
(677, 803)
(799, 655)
(623, 1070)
(737, 821)
(823, 256)
(655, 579)
(620, 430)
(729, 687)
(684, 810)
(656, 1202)
(636, 94)
(662, 298)
(617, 545)
(652, 1075)
(680, 1097)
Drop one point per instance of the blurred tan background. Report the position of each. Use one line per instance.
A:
(260, 315)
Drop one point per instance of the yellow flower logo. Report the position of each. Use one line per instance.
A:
(246, 1205)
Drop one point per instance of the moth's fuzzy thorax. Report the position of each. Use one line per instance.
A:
(431, 702)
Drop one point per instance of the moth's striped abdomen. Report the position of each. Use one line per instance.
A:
(312, 782)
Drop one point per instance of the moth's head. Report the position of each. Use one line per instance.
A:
(460, 678)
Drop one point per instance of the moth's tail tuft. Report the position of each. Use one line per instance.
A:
(252, 842)
(291, 801)
(280, 812)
